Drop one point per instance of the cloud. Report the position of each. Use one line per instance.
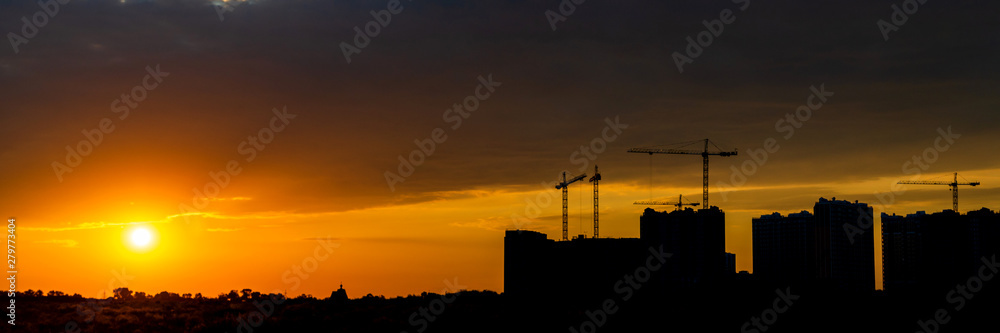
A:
(492, 224)
(268, 215)
(88, 225)
(60, 242)
(231, 199)
(608, 59)
(223, 229)
(502, 223)
(321, 238)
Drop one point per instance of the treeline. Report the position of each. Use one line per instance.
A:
(124, 294)
(249, 311)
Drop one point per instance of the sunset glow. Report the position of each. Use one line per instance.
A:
(141, 238)
(291, 147)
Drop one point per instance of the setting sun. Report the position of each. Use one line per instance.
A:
(538, 166)
(140, 238)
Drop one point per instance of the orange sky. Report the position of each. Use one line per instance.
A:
(391, 250)
(322, 173)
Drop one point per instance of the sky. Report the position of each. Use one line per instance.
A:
(261, 141)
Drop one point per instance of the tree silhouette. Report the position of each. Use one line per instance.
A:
(246, 293)
(166, 296)
(123, 293)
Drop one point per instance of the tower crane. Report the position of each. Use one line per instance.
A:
(953, 184)
(565, 183)
(678, 204)
(595, 179)
(704, 154)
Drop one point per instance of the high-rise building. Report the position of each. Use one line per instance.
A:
(697, 240)
(846, 259)
(929, 252)
(822, 247)
(901, 246)
(784, 248)
(526, 254)
(730, 263)
(986, 228)
(535, 265)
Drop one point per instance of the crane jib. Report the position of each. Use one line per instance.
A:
(705, 153)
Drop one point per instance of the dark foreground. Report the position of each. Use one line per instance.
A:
(764, 309)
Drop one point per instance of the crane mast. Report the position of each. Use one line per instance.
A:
(565, 207)
(595, 179)
(704, 178)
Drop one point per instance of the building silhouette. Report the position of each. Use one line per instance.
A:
(822, 248)
(929, 252)
(535, 265)
(784, 247)
(697, 240)
(825, 255)
(730, 263)
(339, 296)
(846, 259)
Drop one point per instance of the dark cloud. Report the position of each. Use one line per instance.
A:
(607, 59)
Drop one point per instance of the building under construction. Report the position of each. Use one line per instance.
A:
(695, 240)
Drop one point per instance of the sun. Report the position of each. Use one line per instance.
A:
(141, 238)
